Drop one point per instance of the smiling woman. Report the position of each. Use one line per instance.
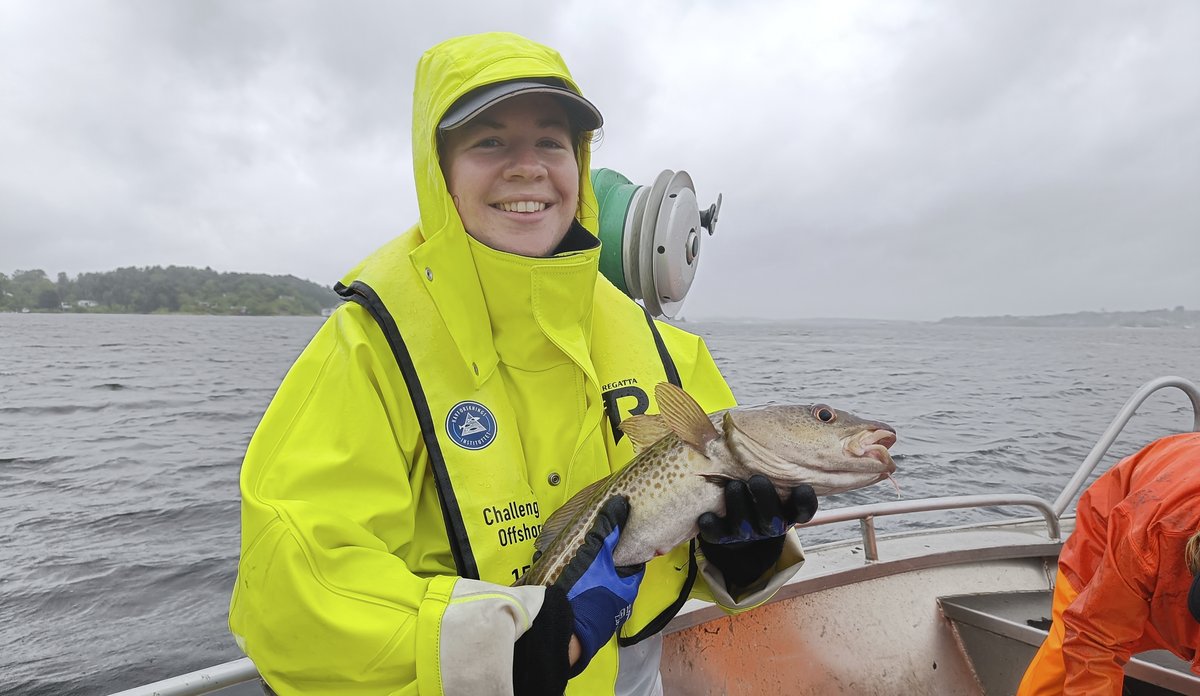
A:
(513, 175)
(471, 371)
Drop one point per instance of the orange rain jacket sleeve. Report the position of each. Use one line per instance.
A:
(1127, 556)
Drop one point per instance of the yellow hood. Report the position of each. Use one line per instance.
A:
(447, 72)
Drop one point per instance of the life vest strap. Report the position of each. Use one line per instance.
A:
(460, 544)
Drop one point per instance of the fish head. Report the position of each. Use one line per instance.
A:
(831, 450)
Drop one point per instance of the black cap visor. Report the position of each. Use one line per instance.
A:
(584, 115)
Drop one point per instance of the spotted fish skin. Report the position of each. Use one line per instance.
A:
(685, 456)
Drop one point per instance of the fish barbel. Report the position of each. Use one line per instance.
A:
(685, 457)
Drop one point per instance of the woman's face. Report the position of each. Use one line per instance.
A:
(513, 176)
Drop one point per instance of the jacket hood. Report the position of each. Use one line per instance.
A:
(450, 70)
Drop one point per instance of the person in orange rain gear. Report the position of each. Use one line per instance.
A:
(1127, 577)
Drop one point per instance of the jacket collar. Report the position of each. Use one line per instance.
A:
(540, 309)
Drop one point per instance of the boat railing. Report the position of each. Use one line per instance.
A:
(1118, 423)
(238, 671)
(1051, 512)
(866, 514)
(202, 681)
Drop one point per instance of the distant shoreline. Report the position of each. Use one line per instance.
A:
(1157, 318)
(100, 312)
(1154, 318)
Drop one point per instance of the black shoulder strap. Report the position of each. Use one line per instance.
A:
(660, 622)
(663, 354)
(456, 530)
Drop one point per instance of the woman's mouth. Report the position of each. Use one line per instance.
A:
(520, 206)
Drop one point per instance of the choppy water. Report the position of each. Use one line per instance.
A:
(121, 437)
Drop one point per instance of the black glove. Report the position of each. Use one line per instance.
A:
(540, 661)
(749, 538)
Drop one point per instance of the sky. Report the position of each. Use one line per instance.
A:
(904, 160)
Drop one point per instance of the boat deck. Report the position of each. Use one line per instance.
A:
(954, 611)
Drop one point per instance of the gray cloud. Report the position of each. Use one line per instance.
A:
(912, 160)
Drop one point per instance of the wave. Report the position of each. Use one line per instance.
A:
(32, 462)
(55, 410)
(73, 408)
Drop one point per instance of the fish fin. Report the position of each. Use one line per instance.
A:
(562, 518)
(727, 424)
(684, 416)
(645, 430)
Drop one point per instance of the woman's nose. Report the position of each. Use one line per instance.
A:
(526, 163)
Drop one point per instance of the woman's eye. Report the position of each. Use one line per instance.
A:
(488, 142)
(553, 144)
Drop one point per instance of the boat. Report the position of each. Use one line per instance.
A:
(941, 610)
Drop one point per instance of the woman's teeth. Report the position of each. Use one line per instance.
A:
(521, 207)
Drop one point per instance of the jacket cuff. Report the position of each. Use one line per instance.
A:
(743, 563)
(738, 599)
(467, 630)
(541, 660)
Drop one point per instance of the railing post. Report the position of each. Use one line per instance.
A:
(867, 525)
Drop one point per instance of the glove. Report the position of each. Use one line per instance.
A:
(749, 538)
(541, 663)
(600, 594)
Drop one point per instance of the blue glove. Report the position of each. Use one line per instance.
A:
(749, 538)
(600, 594)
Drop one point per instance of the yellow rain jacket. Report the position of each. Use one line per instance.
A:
(395, 486)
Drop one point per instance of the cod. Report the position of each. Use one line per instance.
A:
(684, 457)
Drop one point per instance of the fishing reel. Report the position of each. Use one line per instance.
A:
(651, 236)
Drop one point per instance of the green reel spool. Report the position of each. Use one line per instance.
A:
(651, 236)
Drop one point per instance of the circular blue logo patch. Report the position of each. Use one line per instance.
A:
(471, 425)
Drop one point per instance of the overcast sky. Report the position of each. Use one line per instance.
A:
(907, 160)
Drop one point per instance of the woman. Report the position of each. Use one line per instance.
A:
(1127, 576)
(393, 491)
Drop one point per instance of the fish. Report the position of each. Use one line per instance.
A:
(684, 457)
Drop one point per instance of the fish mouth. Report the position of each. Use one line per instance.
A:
(872, 444)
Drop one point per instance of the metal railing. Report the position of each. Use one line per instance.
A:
(866, 514)
(239, 671)
(202, 681)
(1110, 435)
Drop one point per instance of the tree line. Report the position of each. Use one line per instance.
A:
(158, 290)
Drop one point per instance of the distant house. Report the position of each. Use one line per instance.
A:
(64, 306)
(87, 304)
(328, 311)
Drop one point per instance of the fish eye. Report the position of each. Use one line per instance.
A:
(823, 413)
